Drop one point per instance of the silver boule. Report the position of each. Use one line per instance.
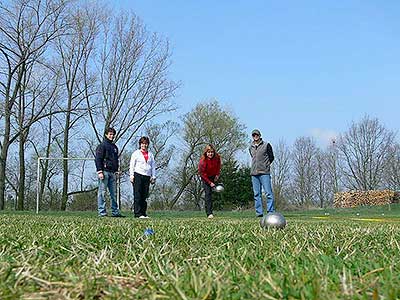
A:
(273, 220)
(219, 188)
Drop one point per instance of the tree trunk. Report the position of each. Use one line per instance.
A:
(3, 157)
(21, 186)
(180, 192)
(65, 155)
(8, 103)
(45, 169)
(22, 140)
(2, 179)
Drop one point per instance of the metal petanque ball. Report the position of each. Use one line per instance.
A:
(273, 220)
(219, 188)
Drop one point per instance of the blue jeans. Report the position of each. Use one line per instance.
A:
(259, 182)
(109, 182)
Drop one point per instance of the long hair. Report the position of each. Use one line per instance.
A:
(207, 148)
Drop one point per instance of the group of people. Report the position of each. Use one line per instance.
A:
(142, 173)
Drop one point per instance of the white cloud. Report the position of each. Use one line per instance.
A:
(324, 136)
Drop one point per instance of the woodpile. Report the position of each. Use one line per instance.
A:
(359, 198)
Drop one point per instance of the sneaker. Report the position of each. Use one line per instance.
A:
(144, 217)
(210, 216)
(260, 216)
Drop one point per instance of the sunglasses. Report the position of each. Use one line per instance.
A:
(255, 134)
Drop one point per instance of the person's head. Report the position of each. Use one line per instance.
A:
(110, 133)
(209, 152)
(256, 135)
(144, 143)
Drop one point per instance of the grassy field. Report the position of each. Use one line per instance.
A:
(327, 254)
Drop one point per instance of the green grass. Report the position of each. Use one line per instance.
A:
(79, 256)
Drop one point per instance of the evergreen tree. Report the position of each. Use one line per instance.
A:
(238, 189)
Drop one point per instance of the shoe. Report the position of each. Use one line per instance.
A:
(260, 216)
(144, 217)
(210, 216)
(118, 216)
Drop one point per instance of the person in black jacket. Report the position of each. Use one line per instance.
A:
(107, 167)
(262, 157)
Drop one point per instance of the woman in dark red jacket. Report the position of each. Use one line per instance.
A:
(209, 170)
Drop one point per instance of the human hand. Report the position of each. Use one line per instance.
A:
(212, 184)
(152, 180)
(132, 178)
(216, 178)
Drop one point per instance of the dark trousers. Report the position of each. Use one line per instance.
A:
(208, 197)
(140, 192)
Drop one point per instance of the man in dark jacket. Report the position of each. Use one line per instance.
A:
(107, 167)
(262, 157)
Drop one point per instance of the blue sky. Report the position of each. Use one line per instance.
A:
(288, 68)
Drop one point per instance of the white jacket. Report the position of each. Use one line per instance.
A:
(139, 165)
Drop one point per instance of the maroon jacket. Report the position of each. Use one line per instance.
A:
(209, 168)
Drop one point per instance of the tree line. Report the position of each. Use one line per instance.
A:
(304, 175)
(69, 69)
(364, 157)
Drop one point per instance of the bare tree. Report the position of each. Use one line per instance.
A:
(321, 183)
(44, 146)
(363, 151)
(304, 171)
(207, 123)
(134, 85)
(12, 178)
(36, 98)
(26, 29)
(74, 53)
(333, 169)
(280, 171)
(391, 176)
(160, 136)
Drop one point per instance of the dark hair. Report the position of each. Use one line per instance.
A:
(144, 139)
(110, 129)
(209, 147)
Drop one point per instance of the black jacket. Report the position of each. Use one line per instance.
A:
(107, 156)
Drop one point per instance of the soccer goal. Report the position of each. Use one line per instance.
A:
(82, 178)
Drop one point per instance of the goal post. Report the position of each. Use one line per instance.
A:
(38, 174)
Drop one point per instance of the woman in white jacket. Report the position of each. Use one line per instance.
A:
(142, 171)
